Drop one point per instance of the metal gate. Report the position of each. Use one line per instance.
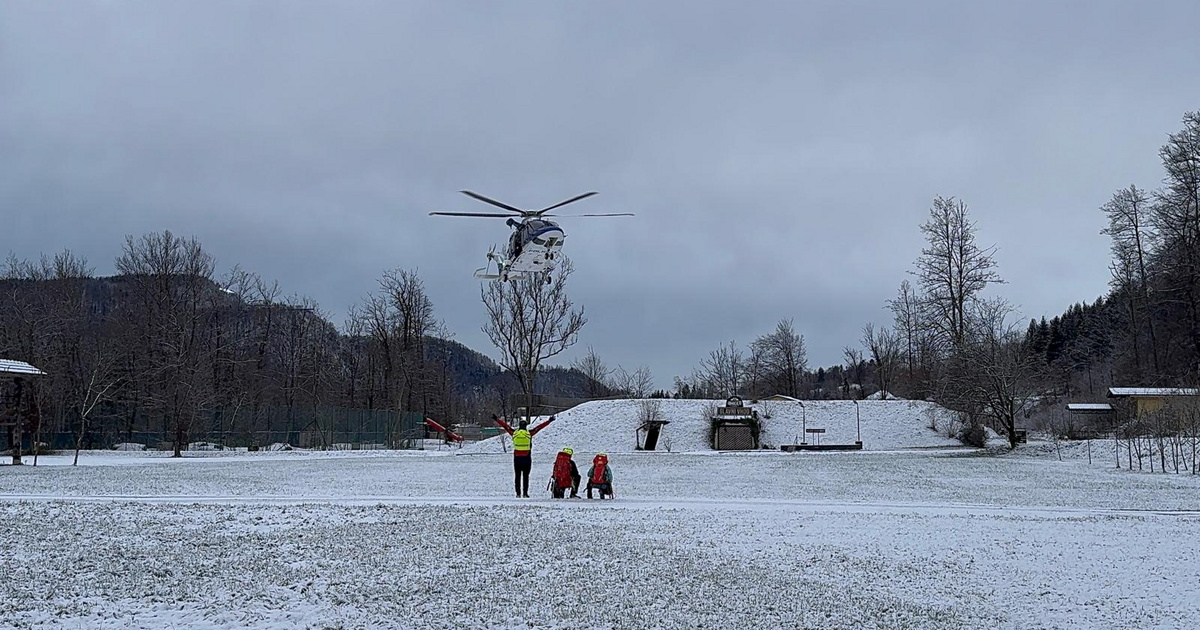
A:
(735, 438)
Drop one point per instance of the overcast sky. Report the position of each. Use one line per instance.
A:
(779, 155)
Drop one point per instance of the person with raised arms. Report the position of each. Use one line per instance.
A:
(522, 441)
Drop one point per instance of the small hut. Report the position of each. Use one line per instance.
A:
(1141, 402)
(16, 372)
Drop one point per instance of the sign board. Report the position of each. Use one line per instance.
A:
(734, 407)
(814, 430)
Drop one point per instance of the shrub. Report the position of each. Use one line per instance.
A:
(973, 435)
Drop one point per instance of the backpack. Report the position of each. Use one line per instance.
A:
(599, 464)
(562, 471)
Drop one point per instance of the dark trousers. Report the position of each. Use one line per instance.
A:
(604, 489)
(559, 493)
(521, 466)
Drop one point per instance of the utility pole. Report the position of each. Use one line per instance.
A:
(857, 421)
(803, 423)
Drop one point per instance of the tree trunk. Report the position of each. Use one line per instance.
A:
(178, 450)
(16, 436)
(16, 442)
(37, 438)
(1134, 335)
(79, 438)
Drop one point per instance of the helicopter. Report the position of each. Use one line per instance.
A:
(535, 240)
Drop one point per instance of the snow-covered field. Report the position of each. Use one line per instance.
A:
(609, 425)
(918, 539)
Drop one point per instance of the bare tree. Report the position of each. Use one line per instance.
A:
(906, 309)
(782, 358)
(953, 268)
(636, 384)
(855, 369)
(379, 321)
(530, 321)
(1177, 220)
(996, 370)
(884, 348)
(596, 371)
(172, 278)
(414, 321)
(1124, 281)
(722, 373)
(93, 382)
(1129, 226)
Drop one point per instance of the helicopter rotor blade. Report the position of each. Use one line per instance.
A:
(490, 215)
(571, 216)
(563, 203)
(498, 204)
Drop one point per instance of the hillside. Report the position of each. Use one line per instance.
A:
(470, 370)
(609, 425)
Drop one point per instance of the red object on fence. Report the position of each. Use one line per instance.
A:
(441, 429)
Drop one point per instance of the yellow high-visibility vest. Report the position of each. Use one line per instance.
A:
(522, 441)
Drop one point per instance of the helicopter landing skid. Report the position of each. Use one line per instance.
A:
(484, 273)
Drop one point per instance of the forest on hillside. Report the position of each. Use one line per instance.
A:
(168, 347)
(956, 340)
(168, 350)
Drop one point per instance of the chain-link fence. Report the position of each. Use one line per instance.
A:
(334, 428)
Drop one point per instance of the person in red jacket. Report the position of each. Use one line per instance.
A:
(600, 477)
(565, 476)
(522, 439)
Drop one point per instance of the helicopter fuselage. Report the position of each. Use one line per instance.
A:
(533, 247)
(535, 240)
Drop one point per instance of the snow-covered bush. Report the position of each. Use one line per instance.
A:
(129, 446)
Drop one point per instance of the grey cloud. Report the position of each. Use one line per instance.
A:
(779, 155)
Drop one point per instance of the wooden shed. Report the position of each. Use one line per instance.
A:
(15, 372)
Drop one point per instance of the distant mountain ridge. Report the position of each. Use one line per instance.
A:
(470, 371)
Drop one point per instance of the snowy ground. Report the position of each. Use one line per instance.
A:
(917, 539)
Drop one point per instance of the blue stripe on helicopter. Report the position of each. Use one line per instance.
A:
(546, 229)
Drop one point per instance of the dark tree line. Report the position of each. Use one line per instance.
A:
(1146, 331)
(952, 343)
(168, 347)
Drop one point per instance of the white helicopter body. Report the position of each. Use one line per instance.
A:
(534, 245)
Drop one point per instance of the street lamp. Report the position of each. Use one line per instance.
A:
(857, 421)
(803, 423)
